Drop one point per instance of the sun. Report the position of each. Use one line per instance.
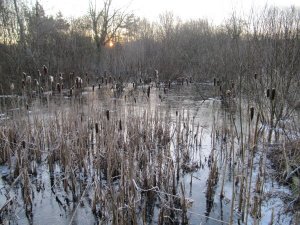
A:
(110, 44)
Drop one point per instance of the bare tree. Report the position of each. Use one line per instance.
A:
(107, 22)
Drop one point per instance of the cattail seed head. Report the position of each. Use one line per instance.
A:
(23, 144)
(96, 128)
(28, 79)
(120, 125)
(12, 86)
(45, 69)
(36, 82)
(273, 94)
(58, 87)
(107, 114)
(268, 93)
(148, 92)
(251, 113)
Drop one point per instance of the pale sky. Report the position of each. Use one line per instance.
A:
(214, 10)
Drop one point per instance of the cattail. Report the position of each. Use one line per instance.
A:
(51, 78)
(71, 91)
(268, 93)
(77, 82)
(251, 113)
(12, 86)
(105, 81)
(148, 92)
(273, 94)
(23, 144)
(23, 83)
(93, 87)
(165, 91)
(120, 125)
(99, 85)
(97, 128)
(102, 80)
(133, 84)
(45, 70)
(58, 87)
(28, 79)
(80, 82)
(255, 76)
(215, 81)
(168, 84)
(107, 114)
(187, 82)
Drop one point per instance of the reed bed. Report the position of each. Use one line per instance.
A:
(116, 159)
(125, 160)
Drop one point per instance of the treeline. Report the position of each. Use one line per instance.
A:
(265, 43)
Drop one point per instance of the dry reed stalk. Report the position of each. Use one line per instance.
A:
(232, 154)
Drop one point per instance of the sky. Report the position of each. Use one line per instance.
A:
(213, 10)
